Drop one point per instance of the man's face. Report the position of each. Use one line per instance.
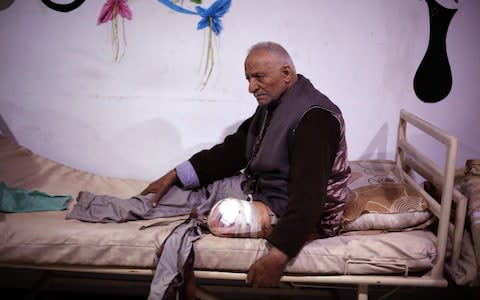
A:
(265, 78)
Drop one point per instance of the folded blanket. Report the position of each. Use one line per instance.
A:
(20, 200)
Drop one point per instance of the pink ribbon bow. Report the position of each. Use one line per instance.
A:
(112, 8)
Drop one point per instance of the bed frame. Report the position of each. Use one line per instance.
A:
(411, 161)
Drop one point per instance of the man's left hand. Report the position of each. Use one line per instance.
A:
(267, 270)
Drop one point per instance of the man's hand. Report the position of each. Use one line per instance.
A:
(267, 270)
(161, 186)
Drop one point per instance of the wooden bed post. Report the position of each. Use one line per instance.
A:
(442, 177)
(447, 195)
(401, 137)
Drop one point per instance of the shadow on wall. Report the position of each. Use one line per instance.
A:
(150, 147)
(5, 130)
(377, 149)
(231, 129)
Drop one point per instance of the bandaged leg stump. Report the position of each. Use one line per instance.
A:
(232, 217)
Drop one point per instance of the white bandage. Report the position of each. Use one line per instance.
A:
(232, 217)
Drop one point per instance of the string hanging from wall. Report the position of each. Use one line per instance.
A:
(211, 18)
(110, 12)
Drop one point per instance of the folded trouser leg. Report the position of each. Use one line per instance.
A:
(176, 202)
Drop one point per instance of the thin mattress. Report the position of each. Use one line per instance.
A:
(48, 239)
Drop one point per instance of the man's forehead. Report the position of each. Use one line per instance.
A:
(260, 60)
(261, 55)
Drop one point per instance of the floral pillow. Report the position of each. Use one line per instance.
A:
(379, 200)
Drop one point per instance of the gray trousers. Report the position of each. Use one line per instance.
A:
(171, 264)
(176, 202)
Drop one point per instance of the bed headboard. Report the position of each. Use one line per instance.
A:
(408, 158)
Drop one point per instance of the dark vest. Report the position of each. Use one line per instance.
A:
(269, 170)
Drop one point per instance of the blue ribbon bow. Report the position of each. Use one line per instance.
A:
(212, 14)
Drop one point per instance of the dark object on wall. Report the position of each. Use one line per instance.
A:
(4, 4)
(433, 79)
(63, 7)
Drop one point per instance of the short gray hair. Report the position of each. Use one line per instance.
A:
(276, 49)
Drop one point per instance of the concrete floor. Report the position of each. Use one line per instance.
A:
(35, 285)
(409, 293)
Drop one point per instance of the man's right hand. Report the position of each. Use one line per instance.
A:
(161, 186)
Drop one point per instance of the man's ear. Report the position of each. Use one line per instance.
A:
(287, 73)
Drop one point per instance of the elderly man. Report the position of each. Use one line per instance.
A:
(290, 157)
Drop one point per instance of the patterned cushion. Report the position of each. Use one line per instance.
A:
(380, 200)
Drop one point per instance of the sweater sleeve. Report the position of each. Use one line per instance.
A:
(313, 152)
(224, 159)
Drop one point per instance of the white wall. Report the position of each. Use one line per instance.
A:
(63, 95)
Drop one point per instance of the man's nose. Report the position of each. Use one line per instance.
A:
(252, 86)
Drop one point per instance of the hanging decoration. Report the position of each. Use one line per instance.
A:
(63, 7)
(4, 4)
(110, 11)
(433, 79)
(210, 18)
